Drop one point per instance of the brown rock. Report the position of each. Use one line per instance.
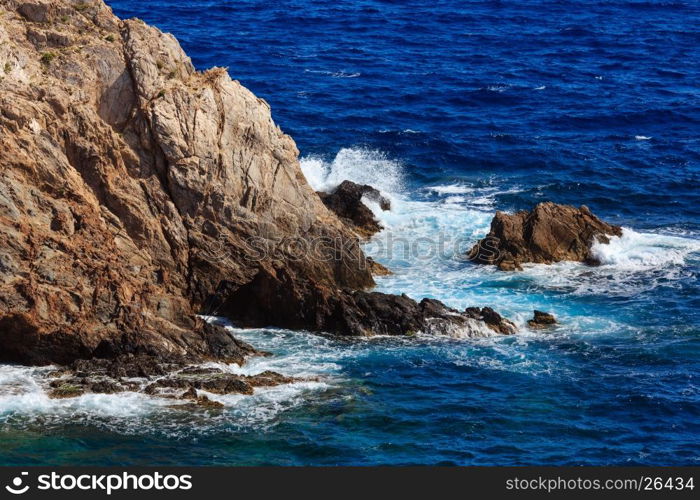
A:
(276, 297)
(203, 401)
(346, 202)
(549, 233)
(492, 319)
(136, 192)
(65, 390)
(378, 269)
(542, 320)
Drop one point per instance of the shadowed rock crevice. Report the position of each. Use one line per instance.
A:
(276, 297)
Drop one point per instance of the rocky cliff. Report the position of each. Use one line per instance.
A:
(136, 192)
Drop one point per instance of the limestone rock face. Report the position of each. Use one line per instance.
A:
(132, 187)
(549, 233)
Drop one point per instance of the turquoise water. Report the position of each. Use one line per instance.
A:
(454, 110)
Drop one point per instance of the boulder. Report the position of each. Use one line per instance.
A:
(546, 234)
(346, 202)
(542, 320)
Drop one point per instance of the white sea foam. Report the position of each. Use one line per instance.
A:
(642, 137)
(363, 166)
(456, 188)
(427, 232)
(635, 251)
(24, 396)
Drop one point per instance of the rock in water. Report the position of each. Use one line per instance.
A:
(542, 320)
(549, 233)
(346, 202)
(278, 298)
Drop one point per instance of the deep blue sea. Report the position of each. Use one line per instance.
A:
(454, 109)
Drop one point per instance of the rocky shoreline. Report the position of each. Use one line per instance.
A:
(137, 193)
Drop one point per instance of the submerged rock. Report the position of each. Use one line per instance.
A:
(542, 320)
(146, 375)
(549, 233)
(200, 400)
(346, 202)
(492, 319)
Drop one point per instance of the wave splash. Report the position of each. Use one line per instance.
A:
(359, 165)
(447, 218)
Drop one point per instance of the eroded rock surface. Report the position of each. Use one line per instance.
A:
(136, 192)
(549, 233)
(541, 319)
(346, 202)
(171, 378)
(277, 298)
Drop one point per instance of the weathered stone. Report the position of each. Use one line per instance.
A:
(542, 319)
(346, 202)
(276, 297)
(136, 192)
(65, 390)
(378, 269)
(549, 233)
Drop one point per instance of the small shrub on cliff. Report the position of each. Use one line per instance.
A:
(82, 6)
(212, 76)
(47, 57)
(8, 67)
(109, 38)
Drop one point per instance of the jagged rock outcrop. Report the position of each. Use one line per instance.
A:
(541, 319)
(549, 233)
(132, 186)
(346, 202)
(275, 297)
(136, 192)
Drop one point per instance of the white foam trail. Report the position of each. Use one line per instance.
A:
(456, 188)
(635, 251)
(642, 137)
